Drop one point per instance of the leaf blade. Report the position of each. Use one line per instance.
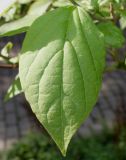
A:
(59, 71)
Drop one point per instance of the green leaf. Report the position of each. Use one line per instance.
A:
(117, 1)
(103, 2)
(61, 3)
(5, 5)
(95, 4)
(61, 70)
(123, 20)
(18, 26)
(113, 35)
(25, 1)
(14, 89)
(4, 55)
(6, 50)
(22, 25)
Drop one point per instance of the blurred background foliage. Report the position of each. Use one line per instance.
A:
(40, 147)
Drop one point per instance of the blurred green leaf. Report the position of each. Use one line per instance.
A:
(21, 25)
(4, 55)
(100, 147)
(5, 5)
(14, 89)
(17, 26)
(24, 1)
(113, 35)
(123, 20)
(6, 50)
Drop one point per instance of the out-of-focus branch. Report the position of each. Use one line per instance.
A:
(50, 6)
(74, 3)
(9, 66)
(112, 13)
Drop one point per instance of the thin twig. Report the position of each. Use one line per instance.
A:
(4, 57)
(50, 6)
(74, 3)
(112, 13)
(9, 66)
